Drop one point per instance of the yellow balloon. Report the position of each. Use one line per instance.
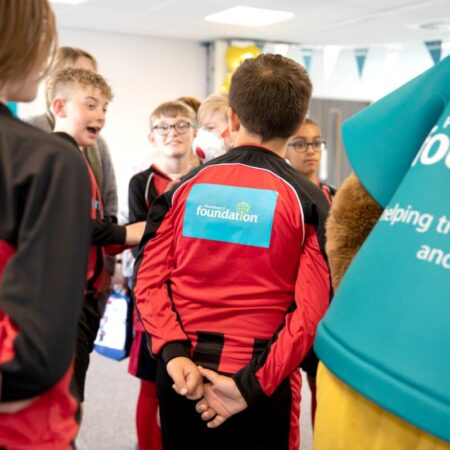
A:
(235, 56)
(226, 84)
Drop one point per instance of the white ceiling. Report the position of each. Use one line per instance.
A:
(316, 22)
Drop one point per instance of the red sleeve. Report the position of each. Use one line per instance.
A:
(8, 330)
(8, 333)
(295, 337)
(115, 249)
(152, 289)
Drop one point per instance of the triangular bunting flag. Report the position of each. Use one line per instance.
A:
(435, 50)
(307, 54)
(360, 56)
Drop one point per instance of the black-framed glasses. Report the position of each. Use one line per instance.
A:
(181, 127)
(302, 145)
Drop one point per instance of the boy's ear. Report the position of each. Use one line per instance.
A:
(58, 107)
(234, 123)
(150, 138)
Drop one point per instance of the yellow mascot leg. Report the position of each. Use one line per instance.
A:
(345, 420)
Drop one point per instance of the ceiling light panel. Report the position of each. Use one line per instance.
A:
(250, 17)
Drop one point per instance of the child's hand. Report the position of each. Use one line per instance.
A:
(134, 233)
(222, 399)
(186, 376)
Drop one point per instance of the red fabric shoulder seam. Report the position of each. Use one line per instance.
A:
(6, 251)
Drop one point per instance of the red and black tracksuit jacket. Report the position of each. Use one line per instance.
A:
(44, 239)
(143, 188)
(246, 303)
(328, 191)
(106, 236)
(311, 362)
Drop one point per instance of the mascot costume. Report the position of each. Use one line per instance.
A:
(384, 379)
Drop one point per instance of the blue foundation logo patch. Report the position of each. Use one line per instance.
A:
(230, 214)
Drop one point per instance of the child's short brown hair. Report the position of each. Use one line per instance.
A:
(67, 78)
(27, 36)
(172, 109)
(193, 102)
(67, 57)
(271, 95)
(309, 121)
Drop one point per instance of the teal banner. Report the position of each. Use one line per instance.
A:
(387, 332)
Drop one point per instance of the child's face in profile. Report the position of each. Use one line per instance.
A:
(217, 122)
(306, 161)
(85, 115)
(173, 136)
(214, 121)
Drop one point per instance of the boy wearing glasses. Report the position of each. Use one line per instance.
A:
(171, 133)
(304, 152)
(172, 130)
(231, 276)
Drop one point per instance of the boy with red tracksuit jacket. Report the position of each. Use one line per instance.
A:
(231, 277)
(79, 99)
(44, 241)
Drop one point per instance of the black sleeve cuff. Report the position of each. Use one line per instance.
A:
(107, 233)
(175, 349)
(119, 234)
(248, 385)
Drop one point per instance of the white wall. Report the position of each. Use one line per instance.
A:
(143, 72)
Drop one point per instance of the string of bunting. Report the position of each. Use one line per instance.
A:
(331, 54)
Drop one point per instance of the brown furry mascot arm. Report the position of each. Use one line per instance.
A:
(352, 216)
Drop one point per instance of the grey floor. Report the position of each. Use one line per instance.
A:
(108, 422)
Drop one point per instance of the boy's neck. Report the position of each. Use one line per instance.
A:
(244, 137)
(61, 129)
(314, 178)
(173, 166)
(58, 128)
